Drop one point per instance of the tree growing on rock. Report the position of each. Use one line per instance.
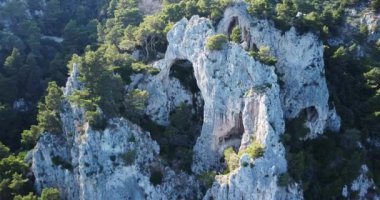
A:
(216, 42)
(48, 111)
(236, 35)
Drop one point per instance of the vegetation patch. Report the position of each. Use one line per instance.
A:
(141, 67)
(129, 157)
(50, 194)
(254, 150)
(232, 159)
(207, 178)
(216, 42)
(236, 35)
(263, 55)
(283, 179)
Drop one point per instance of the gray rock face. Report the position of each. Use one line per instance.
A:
(90, 164)
(243, 102)
(299, 67)
(113, 163)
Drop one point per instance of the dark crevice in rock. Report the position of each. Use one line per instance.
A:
(233, 137)
(311, 114)
(234, 22)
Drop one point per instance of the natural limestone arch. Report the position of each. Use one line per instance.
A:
(240, 95)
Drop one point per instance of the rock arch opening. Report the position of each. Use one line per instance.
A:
(186, 120)
(234, 22)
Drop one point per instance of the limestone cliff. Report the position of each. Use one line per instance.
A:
(244, 100)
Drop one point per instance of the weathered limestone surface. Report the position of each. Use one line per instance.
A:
(244, 100)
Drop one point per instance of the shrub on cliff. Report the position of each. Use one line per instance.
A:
(254, 150)
(263, 55)
(236, 35)
(216, 42)
(231, 158)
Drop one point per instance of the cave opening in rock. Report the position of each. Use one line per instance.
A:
(179, 137)
(311, 114)
(234, 22)
(233, 137)
(183, 70)
(229, 144)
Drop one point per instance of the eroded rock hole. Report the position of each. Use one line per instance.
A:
(229, 145)
(234, 22)
(233, 137)
(311, 114)
(179, 137)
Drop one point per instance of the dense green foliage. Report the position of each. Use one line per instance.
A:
(50, 194)
(48, 111)
(32, 53)
(321, 17)
(13, 174)
(310, 161)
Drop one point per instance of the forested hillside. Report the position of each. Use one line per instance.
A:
(110, 40)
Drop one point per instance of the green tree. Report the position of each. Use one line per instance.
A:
(13, 62)
(18, 183)
(48, 112)
(50, 194)
(285, 12)
(30, 196)
(373, 78)
(97, 75)
(136, 102)
(262, 8)
(236, 35)
(376, 5)
(150, 33)
(29, 137)
(4, 151)
(53, 21)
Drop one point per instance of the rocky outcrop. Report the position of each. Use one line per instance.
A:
(89, 164)
(362, 187)
(241, 103)
(114, 163)
(299, 67)
(244, 101)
